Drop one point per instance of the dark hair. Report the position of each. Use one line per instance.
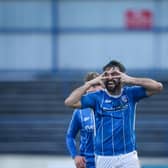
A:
(114, 63)
(90, 76)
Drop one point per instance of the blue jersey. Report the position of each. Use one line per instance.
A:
(83, 122)
(114, 119)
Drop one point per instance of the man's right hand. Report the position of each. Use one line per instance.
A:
(80, 162)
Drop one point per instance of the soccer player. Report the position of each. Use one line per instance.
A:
(115, 108)
(83, 121)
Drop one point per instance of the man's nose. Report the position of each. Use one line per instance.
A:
(110, 77)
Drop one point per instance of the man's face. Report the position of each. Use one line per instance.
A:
(111, 83)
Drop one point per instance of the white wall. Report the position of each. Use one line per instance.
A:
(135, 50)
(25, 52)
(98, 14)
(25, 14)
(79, 46)
(164, 50)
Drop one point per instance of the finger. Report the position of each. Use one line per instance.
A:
(83, 159)
(116, 77)
(82, 164)
(104, 78)
(78, 165)
(104, 73)
(117, 71)
(102, 84)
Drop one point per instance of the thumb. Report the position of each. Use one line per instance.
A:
(102, 84)
(83, 158)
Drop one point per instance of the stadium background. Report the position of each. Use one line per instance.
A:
(47, 46)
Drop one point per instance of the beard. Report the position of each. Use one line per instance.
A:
(113, 85)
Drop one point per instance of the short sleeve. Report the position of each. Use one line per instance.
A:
(88, 100)
(137, 92)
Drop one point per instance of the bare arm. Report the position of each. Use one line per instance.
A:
(151, 86)
(73, 100)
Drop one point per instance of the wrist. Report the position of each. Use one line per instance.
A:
(87, 85)
(131, 80)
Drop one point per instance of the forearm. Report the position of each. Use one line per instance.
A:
(76, 95)
(149, 84)
(70, 142)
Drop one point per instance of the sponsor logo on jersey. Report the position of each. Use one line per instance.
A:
(89, 127)
(107, 101)
(124, 99)
(86, 118)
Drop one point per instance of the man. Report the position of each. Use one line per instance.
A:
(114, 110)
(83, 121)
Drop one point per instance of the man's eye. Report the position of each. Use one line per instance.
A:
(113, 74)
(105, 74)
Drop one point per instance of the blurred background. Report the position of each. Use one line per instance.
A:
(46, 48)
